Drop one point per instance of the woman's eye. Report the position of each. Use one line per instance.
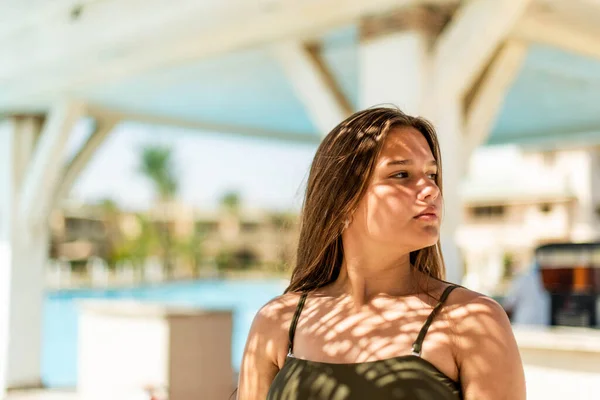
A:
(404, 174)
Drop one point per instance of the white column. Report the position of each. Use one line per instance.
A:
(30, 161)
(24, 254)
(396, 66)
(30, 251)
(448, 120)
(395, 62)
(393, 68)
(6, 207)
(460, 55)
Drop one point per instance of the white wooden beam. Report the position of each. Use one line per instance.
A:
(75, 166)
(579, 8)
(27, 129)
(465, 47)
(552, 31)
(78, 56)
(313, 83)
(209, 127)
(490, 95)
(7, 136)
(572, 138)
(40, 180)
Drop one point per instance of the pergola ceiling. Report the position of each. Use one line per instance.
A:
(555, 95)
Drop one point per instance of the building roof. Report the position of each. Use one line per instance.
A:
(504, 191)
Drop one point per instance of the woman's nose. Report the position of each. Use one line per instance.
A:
(429, 191)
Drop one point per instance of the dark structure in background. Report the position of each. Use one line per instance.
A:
(571, 274)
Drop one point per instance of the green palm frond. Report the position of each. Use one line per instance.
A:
(157, 165)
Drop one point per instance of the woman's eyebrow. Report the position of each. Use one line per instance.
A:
(408, 162)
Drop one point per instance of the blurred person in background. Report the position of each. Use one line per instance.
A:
(367, 314)
(527, 302)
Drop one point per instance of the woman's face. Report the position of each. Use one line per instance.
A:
(402, 205)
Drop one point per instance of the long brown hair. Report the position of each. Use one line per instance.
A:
(339, 176)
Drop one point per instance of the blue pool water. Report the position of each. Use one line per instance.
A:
(59, 351)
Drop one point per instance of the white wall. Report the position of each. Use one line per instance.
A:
(106, 369)
(560, 363)
(125, 347)
(581, 169)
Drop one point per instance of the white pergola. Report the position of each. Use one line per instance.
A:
(152, 61)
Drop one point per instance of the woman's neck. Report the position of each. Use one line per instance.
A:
(364, 277)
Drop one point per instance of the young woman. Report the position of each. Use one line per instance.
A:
(367, 314)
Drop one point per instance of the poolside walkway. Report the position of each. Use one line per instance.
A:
(50, 394)
(42, 395)
(58, 394)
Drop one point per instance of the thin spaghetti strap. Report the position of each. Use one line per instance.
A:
(418, 344)
(295, 322)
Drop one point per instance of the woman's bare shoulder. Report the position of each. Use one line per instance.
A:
(465, 303)
(477, 319)
(271, 325)
(266, 346)
(485, 347)
(277, 310)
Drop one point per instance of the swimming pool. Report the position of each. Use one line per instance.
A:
(59, 337)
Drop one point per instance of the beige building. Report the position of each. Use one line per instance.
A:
(77, 233)
(516, 200)
(244, 238)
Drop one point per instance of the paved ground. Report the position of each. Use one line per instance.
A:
(42, 395)
(49, 394)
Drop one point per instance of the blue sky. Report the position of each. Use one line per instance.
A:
(267, 174)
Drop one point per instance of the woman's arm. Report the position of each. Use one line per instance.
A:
(265, 349)
(488, 357)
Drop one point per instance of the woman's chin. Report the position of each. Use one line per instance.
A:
(432, 241)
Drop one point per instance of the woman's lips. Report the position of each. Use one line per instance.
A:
(427, 217)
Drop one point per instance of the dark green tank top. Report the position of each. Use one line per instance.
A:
(398, 378)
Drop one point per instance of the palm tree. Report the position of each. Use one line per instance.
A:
(189, 250)
(230, 201)
(137, 249)
(111, 212)
(157, 165)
